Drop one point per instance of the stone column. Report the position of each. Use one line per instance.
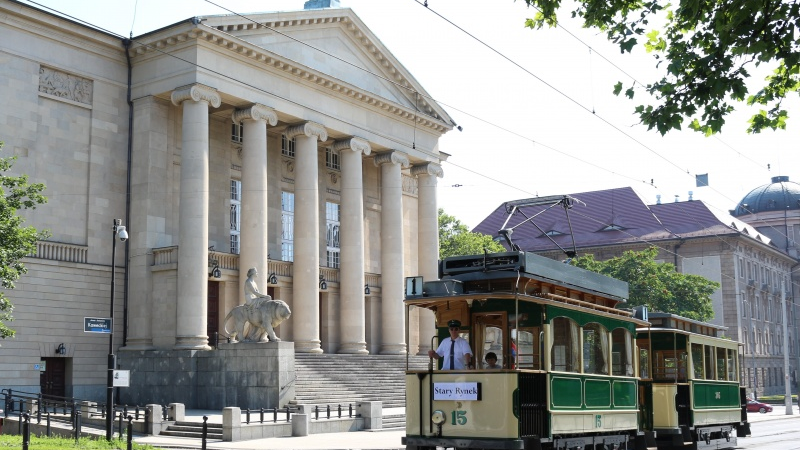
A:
(305, 305)
(427, 242)
(254, 248)
(352, 323)
(392, 276)
(191, 314)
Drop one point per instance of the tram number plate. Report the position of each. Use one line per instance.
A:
(598, 421)
(459, 417)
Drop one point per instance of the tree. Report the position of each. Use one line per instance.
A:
(455, 239)
(657, 285)
(705, 50)
(16, 240)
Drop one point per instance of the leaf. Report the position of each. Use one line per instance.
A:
(618, 88)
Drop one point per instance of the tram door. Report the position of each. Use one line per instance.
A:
(490, 336)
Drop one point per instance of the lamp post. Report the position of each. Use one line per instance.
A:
(119, 231)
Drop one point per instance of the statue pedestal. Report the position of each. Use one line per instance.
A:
(245, 375)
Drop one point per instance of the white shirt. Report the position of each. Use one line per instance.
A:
(461, 350)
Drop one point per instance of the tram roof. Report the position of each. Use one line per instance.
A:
(660, 321)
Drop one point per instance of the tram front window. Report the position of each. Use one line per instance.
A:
(528, 348)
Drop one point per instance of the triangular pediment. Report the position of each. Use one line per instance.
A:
(343, 48)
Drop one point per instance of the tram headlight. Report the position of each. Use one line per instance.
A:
(438, 417)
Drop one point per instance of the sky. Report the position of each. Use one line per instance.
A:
(536, 107)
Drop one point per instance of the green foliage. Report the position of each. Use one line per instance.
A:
(57, 443)
(16, 240)
(657, 285)
(704, 49)
(455, 239)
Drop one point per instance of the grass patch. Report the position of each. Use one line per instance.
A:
(775, 398)
(57, 443)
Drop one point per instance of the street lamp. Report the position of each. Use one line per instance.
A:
(122, 234)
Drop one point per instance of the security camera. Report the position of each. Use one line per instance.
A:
(122, 233)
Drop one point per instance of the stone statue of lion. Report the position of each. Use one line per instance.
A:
(262, 317)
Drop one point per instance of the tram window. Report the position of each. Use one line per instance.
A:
(697, 361)
(564, 356)
(622, 352)
(528, 348)
(732, 372)
(644, 362)
(709, 362)
(595, 349)
(722, 370)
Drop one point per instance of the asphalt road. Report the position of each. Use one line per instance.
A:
(773, 431)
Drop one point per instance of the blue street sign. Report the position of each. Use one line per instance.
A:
(96, 325)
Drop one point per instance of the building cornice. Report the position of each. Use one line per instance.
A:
(170, 38)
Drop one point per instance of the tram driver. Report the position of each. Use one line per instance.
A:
(455, 351)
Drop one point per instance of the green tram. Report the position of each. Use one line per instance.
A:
(690, 382)
(569, 377)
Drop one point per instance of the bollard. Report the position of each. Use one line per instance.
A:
(262, 415)
(120, 425)
(26, 432)
(205, 431)
(130, 432)
(287, 413)
(48, 424)
(137, 412)
(77, 426)
(316, 412)
(39, 409)
(274, 414)
(247, 415)
(340, 410)
(329, 411)
(349, 410)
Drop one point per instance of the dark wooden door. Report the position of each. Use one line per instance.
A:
(213, 309)
(53, 380)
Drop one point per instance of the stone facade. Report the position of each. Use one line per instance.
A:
(215, 102)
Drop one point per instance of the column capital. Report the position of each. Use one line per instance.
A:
(429, 168)
(256, 111)
(355, 144)
(392, 157)
(308, 129)
(196, 92)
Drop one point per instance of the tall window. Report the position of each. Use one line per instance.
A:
(287, 226)
(595, 349)
(287, 146)
(332, 217)
(564, 356)
(235, 215)
(332, 159)
(237, 130)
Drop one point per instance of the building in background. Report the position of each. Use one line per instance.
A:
(222, 143)
(735, 252)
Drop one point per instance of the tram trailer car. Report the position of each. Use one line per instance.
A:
(690, 381)
(569, 377)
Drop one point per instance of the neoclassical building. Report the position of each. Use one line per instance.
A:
(292, 142)
(747, 257)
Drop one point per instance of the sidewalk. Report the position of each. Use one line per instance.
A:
(367, 440)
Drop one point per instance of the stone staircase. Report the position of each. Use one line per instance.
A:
(332, 379)
(193, 430)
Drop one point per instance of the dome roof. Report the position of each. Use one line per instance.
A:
(780, 195)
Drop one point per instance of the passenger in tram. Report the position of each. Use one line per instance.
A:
(456, 351)
(491, 361)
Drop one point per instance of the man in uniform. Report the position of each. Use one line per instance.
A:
(455, 351)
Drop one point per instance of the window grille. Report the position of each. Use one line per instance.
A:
(332, 159)
(287, 226)
(287, 146)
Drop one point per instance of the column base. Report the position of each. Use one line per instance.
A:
(191, 343)
(393, 349)
(354, 348)
(307, 347)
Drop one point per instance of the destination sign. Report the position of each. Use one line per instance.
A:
(457, 391)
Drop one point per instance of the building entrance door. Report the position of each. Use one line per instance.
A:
(53, 380)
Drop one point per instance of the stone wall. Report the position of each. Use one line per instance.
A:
(245, 375)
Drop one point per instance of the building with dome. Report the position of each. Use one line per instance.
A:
(747, 258)
(774, 210)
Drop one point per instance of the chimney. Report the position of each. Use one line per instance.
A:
(658, 199)
(319, 4)
(676, 198)
(690, 195)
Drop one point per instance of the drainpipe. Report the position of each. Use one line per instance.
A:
(675, 252)
(127, 44)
